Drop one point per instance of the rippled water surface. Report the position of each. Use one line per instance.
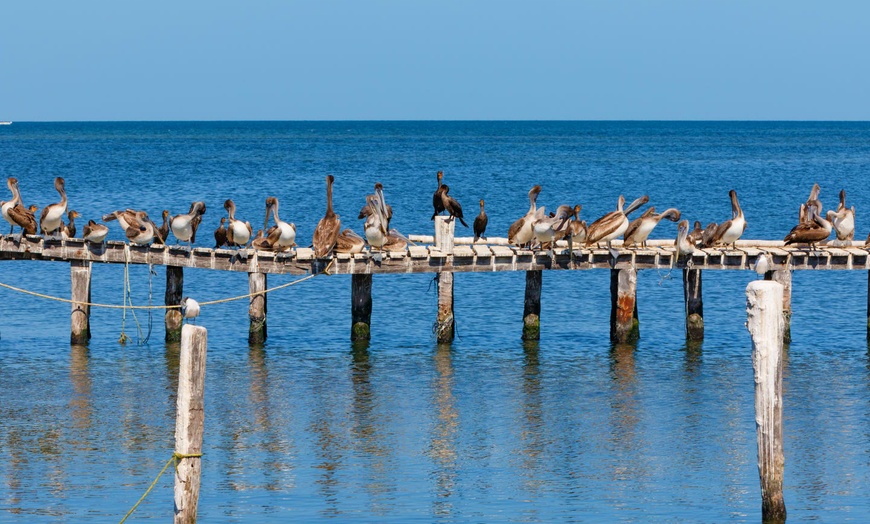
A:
(488, 429)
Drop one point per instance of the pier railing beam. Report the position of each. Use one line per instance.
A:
(174, 294)
(189, 421)
(624, 324)
(694, 300)
(765, 321)
(360, 307)
(532, 306)
(445, 322)
(80, 279)
(783, 277)
(257, 309)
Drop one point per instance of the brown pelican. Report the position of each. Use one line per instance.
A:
(709, 233)
(613, 224)
(451, 205)
(396, 241)
(565, 229)
(51, 218)
(577, 234)
(15, 213)
(163, 230)
(640, 228)
(521, 232)
(220, 234)
(546, 228)
(141, 230)
(284, 233)
(817, 229)
(480, 223)
(843, 219)
(327, 230)
(183, 226)
(729, 231)
(812, 200)
(376, 223)
(696, 235)
(437, 202)
(93, 232)
(684, 246)
(69, 230)
(261, 242)
(238, 232)
(349, 242)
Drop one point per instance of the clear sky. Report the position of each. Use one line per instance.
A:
(434, 60)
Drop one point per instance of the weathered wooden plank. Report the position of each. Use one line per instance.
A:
(189, 422)
(482, 251)
(462, 252)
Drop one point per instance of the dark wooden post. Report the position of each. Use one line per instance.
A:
(765, 321)
(174, 294)
(189, 421)
(532, 306)
(257, 309)
(360, 307)
(624, 324)
(445, 323)
(694, 304)
(80, 325)
(783, 277)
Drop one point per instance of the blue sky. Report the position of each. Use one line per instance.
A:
(434, 60)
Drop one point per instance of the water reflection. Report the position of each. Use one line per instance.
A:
(625, 437)
(328, 448)
(274, 464)
(442, 448)
(81, 401)
(533, 442)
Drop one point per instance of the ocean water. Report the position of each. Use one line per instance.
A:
(488, 429)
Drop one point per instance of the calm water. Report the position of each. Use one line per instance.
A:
(405, 430)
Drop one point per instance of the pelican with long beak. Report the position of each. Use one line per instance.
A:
(521, 232)
(812, 200)
(696, 235)
(684, 246)
(547, 229)
(184, 226)
(640, 228)
(93, 232)
(730, 231)
(327, 230)
(816, 230)
(282, 235)
(376, 223)
(51, 219)
(238, 233)
(613, 224)
(15, 213)
(843, 219)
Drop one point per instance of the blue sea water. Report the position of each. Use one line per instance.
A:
(488, 429)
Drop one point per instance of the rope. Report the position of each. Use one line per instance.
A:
(174, 458)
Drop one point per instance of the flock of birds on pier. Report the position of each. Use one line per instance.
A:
(535, 229)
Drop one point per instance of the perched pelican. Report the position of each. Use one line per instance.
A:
(613, 224)
(816, 230)
(564, 229)
(220, 234)
(69, 230)
(437, 201)
(283, 233)
(124, 217)
(451, 205)
(238, 233)
(189, 308)
(183, 226)
(138, 228)
(843, 219)
(163, 230)
(349, 242)
(684, 246)
(521, 232)
(708, 234)
(261, 242)
(696, 235)
(376, 223)
(545, 228)
(480, 224)
(327, 230)
(640, 228)
(577, 233)
(396, 241)
(729, 231)
(94, 232)
(812, 200)
(51, 218)
(15, 213)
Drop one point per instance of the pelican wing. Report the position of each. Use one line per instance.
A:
(606, 225)
(24, 218)
(326, 235)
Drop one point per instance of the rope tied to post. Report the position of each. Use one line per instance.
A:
(174, 459)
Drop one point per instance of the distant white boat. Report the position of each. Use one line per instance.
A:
(5, 123)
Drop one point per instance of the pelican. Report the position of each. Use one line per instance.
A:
(811, 232)
(163, 230)
(184, 226)
(708, 234)
(396, 241)
(697, 234)
(437, 202)
(69, 230)
(640, 228)
(93, 232)
(729, 231)
(480, 224)
(521, 231)
(220, 234)
(812, 200)
(327, 230)
(578, 229)
(376, 223)
(349, 242)
(683, 245)
(545, 228)
(237, 233)
(15, 213)
(124, 217)
(843, 219)
(261, 242)
(283, 233)
(138, 228)
(51, 218)
(613, 224)
(564, 230)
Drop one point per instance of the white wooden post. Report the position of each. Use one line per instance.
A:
(189, 421)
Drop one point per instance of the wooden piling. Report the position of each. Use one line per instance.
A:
(532, 306)
(189, 421)
(80, 280)
(783, 277)
(360, 307)
(174, 294)
(766, 323)
(445, 323)
(624, 324)
(257, 309)
(694, 301)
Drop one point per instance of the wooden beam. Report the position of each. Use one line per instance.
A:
(360, 307)
(174, 293)
(257, 308)
(189, 422)
(532, 306)
(694, 302)
(80, 280)
(624, 323)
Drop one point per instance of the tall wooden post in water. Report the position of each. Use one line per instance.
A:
(360, 307)
(532, 306)
(694, 304)
(80, 324)
(189, 421)
(174, 294)
(624, 324)
(783, 277)
(257, 309)
(445, 324)
(764, 308)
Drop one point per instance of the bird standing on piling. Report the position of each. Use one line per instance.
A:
(327, 230)
(437, 201)
(613, 224)
(184, 226)
(15, 213)
(349, 242)
(480, 223)
(812, 200)
(282, 235)
(730, 231)
(238, 233)
(375, 226)
(189, 308)
(51, 219)
(683, 245)
(163, 230)
(521, 232)
(811, 232)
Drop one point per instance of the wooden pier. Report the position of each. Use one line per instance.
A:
(445, 255)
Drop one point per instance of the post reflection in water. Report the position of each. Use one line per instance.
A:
(81, 402)
(531, 436)
(326, 411)
(442, 448)
(625, 416)
(276, 451)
